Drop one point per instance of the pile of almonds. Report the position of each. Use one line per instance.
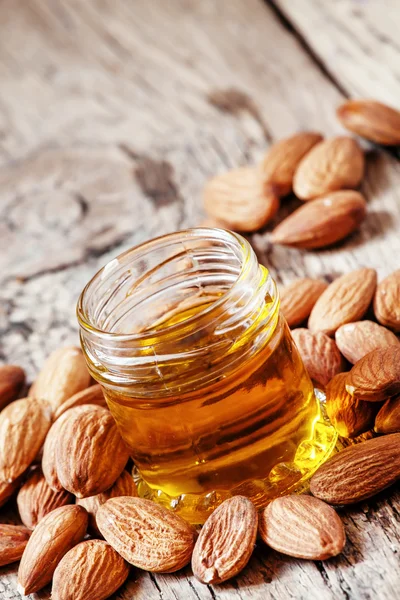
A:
(322, 173)
(62, 456)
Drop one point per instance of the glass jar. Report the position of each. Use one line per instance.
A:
(200, 372)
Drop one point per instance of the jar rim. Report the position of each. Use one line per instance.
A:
(205, 233)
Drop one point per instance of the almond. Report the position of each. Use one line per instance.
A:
(346, 300)
(303, 527)
(12, 379)
(147, 535)
(387, 301)
(376, 377)
(298, 299)
(63, 375)
(283, 157)
(91, 395)
(124, 486)
(388, 418)
(92, 570)
(36, 499)
(332, 165)
(320, 355)
(349, 415)
(49, 466)
(372, 120)
(7, 490)
(240, 199)
(13, 540)
(90, 453)
(355, 340)
(23, 428)
(56, 533)
(322, 222)
(226, 541)
(359, 471)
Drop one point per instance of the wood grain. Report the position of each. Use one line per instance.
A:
(113, 115)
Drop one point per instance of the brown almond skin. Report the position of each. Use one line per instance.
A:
(49, 466)
(63, 375)
(92, 570)
(23, 427)
(387, 301)
(303, 527)
(56, 533)
(376, 377)
(90, 453)
(13, 540)
(323, 222)
(124, 486)
(331, 165)
(372, 120)
(7, 490)
(12, 380)
(355, 340)
(226, 541)
(345, 300)
(91, 395)
(240, 199)
(320, 355)
(359, 471)
(388, 418)
(349, 415)
(146, 534)
(283, 157)
(298, 298)
(36, 499)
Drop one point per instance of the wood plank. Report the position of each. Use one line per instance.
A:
(358, 42)
(96, 94)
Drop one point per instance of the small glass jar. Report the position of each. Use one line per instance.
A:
(201, 374)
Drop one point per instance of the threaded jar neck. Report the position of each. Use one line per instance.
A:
(175, 313)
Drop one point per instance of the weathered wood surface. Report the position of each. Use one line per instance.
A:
(112, 116)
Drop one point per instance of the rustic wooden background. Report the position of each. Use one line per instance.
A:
(113, 114)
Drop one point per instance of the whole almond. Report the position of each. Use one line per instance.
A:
(49, 466)
(124, 486)
(376, 377)
(7, 490)
(90, 453)
(12, 379)
(298, 299)
(345, 300)
(388, 418)
(91, 395)
(320, 355)
(303, 527)
(282, 159)
(241, 199)
(372, 120)
(63, 375)
(355, 340)
(331, 165)
(226, 541)
(56, 533)
(359, 471)
(146, 534)
(23, 428)
(36, 499)
(387, 301)
(322, 222)
(13, 540)
(92, 570)
(349, 415)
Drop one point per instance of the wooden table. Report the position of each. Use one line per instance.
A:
(113, 114)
